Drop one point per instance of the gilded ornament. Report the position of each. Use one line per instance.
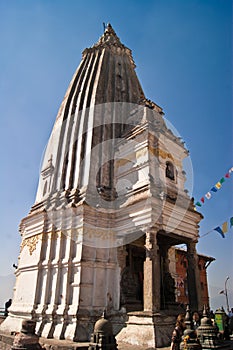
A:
(31, 243)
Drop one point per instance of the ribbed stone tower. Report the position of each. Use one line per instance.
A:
(110, 203)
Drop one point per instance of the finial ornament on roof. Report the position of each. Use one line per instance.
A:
(109, 29)
(109, 40)
(109, 37)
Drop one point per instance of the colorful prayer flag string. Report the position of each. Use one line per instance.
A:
(222, 229)
(215, 188)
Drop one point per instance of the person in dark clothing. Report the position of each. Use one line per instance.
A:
(196, 320)
(7, 305)
(178, 332)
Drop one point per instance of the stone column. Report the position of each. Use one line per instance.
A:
(193, 276)
(151, 274)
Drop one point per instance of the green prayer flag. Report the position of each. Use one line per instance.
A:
(222, 180)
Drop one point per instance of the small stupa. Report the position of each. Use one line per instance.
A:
(208, 334)
(189, 339)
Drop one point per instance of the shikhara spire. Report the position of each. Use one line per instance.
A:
(104, 79)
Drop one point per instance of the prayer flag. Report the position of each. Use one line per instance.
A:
(222, 180)
(202, 199)
(208, 195)
(227, 175)
(230, 170)
(222, 292)
(218, 185)
(213, 189)
(198, 203)
(225, 227)
(231, 222)
(219, 230)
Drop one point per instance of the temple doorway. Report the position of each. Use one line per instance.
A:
(132, 276)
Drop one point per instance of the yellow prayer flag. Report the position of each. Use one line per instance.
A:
(218, 185)
(225, 227)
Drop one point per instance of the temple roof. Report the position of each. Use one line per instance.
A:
(105, 74)
(105, 77)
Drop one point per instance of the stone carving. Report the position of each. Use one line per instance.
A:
(31, 243)
(151, 248)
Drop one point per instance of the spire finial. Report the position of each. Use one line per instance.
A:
(109, 37)
(188, 320)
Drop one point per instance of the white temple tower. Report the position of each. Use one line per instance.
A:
(111, 201)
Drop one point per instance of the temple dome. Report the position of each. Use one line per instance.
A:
(103, 326)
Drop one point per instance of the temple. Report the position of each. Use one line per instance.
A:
(110, 204)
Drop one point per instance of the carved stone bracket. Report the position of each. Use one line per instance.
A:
(151, 246)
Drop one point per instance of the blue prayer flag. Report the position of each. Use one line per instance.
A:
(231, 222)
(219, 230)
(213, 189)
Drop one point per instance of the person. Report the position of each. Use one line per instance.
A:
(178, 332)
(231, 321)
(196, 320)
(226, 333)
(211, 315)
(7, 305)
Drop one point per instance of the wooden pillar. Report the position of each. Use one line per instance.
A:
(151, 274)
(193, 276)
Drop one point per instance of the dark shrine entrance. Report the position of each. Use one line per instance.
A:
(132, 276)
(166, 240)
(135, 274)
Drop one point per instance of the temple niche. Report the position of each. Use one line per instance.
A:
(111, 202)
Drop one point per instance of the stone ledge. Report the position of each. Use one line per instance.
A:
(6, 341)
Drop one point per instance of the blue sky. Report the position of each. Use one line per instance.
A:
(183, 53)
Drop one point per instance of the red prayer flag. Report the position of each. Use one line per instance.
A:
(227, 175)
(202, 199)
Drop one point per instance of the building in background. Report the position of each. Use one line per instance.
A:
(178, 268)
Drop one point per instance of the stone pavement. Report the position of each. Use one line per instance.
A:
(53, 344)
(123, 346)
